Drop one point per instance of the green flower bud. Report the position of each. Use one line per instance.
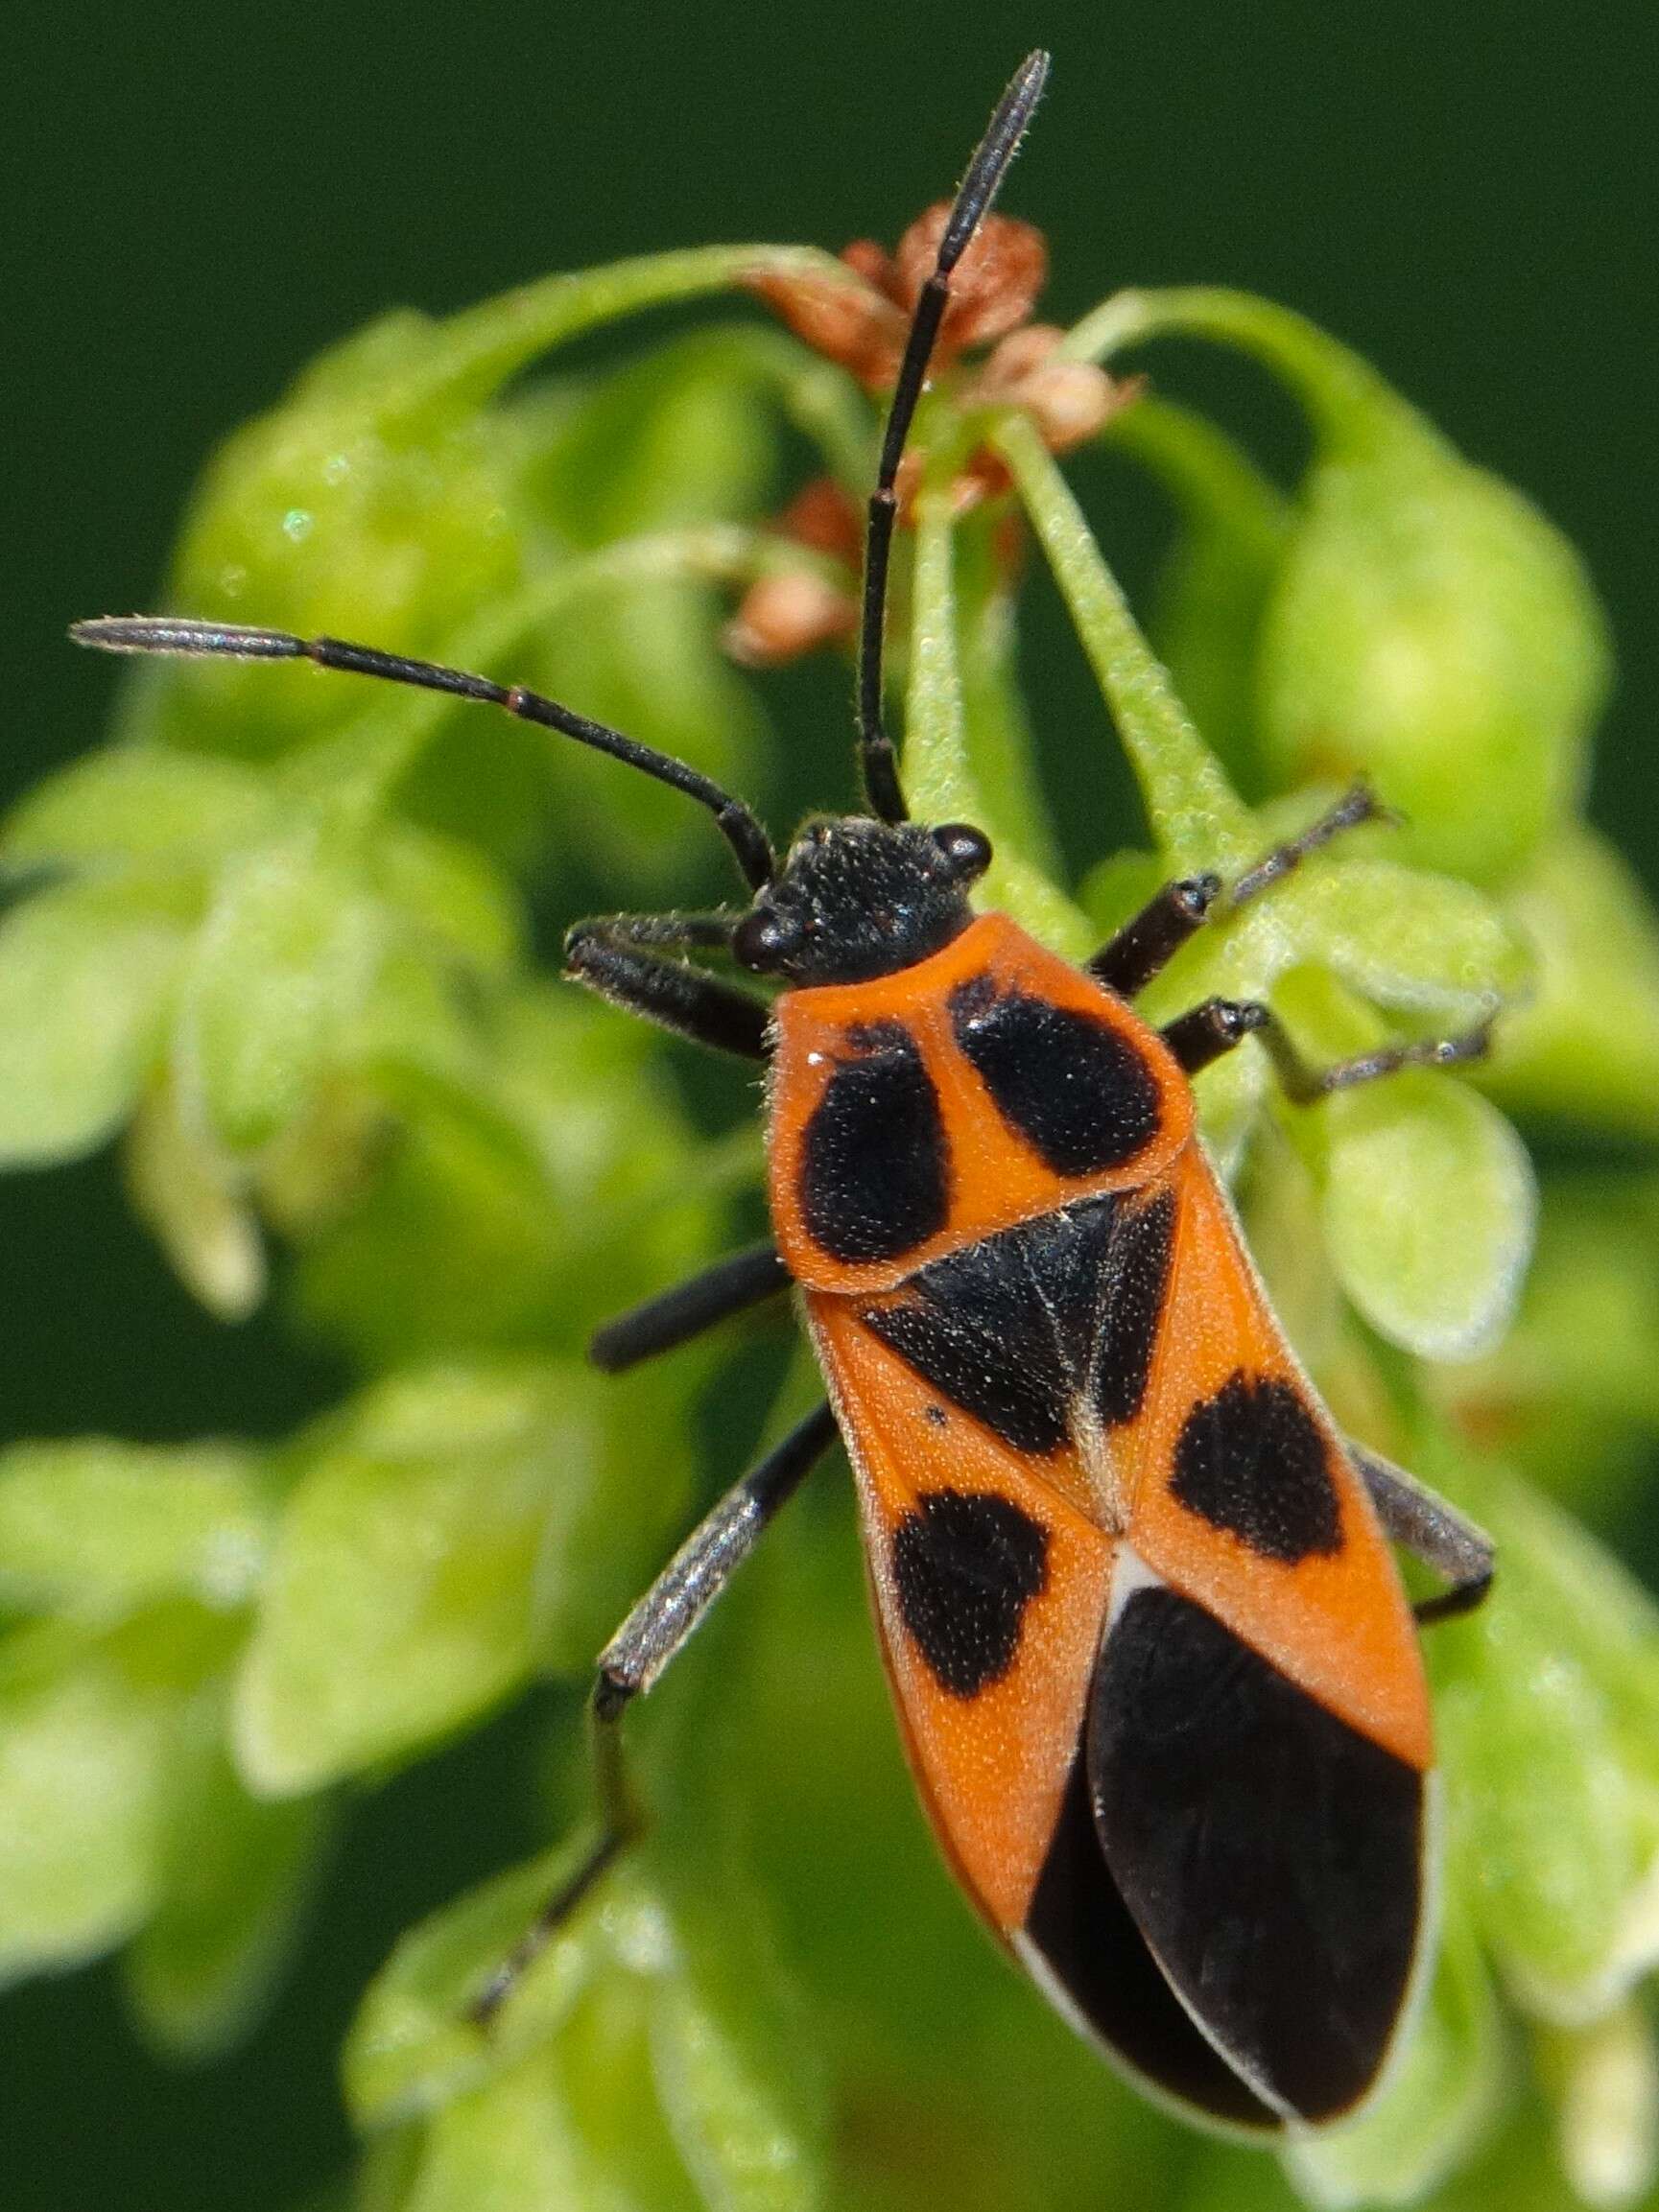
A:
(1430, 628)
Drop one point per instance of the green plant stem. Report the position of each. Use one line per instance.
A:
(1339, 388)
(480, 348)
(1197, 816)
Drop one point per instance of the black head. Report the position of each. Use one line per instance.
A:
(857, 898)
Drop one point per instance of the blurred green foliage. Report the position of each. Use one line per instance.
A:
(279, 940)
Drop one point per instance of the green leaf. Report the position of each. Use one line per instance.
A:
(234, 1878)
(186, 1191)
(98, 1528)
(453, 1244)
(605, 2070)
(472, 354)
(383, 499)
(1608, 2082)
(511, 2146)
(1421, 943)
(286, 959)
(1575, 1376)
(725, 2100)
(1430, 627)
(1438, 2100)
(1564, 1844)
(996, 727)
(421, 1566)
(88, 1725)
(519, 1205)
(1586, 1045)
(1429, 1211)
(84, 977)
(138, 802)
(411, 2047)
(665, 445)
(668, 439)
(733, 2055)
(447, 894)
(1556, 1688)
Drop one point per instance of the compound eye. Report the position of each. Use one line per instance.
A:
(762, 941)
(965, 851)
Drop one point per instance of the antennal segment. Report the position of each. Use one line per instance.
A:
(201, 640)
(979, 188)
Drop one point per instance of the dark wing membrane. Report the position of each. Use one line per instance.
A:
(1082, 1945)
(1269, 1855)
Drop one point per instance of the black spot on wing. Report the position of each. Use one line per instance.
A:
(1251, 1460)
(1072, 1085)
(1141, 1241)
(1269, 1853)
(965, 1564)
(1080, 1926)
(875, 1165)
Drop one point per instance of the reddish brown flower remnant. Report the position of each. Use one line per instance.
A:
(859, 322)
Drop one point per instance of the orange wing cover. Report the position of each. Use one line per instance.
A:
(1158, 1682)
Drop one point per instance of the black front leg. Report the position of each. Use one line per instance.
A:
(608, 956)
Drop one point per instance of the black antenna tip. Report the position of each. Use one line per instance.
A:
(169, 634)
(1032, 73)
(996, 150)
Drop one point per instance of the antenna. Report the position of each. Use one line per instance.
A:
(979, 188)
(230, 641)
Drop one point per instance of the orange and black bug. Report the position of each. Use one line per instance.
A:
(1155, 1672)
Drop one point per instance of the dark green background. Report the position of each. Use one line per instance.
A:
(199, 201)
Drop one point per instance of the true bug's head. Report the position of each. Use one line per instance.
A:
(857, 898)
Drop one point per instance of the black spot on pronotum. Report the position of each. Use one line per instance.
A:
(1292, 1928)
(1070, 1084)
(1251, 1460)
(1143, 1239)
(966, 1566)
(875, 1165)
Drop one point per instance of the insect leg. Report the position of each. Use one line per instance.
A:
(1432, 1531)
(1127, 962)
(1358, 804)
(731, 1286)
(607, 956)
(650, 1635)
(1218, 1025)
(1151, 940)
